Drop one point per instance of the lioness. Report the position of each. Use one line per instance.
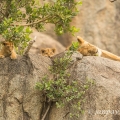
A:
(87, 49)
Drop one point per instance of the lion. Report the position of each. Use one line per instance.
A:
(8, 50)
(45, 41)
(48, 52)
(87, 49)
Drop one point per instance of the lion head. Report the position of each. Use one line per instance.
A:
(8, 46)
(87, 49)
(49, 52)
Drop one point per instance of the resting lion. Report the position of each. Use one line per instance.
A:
(48, 52)
(87, 49)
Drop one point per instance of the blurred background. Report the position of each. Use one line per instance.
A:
(99, 24)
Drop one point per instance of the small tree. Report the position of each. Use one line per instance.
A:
(17, 16)
(62, 91)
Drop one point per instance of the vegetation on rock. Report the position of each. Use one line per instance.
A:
(60, 90)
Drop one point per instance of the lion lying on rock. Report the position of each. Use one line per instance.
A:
(87, 49)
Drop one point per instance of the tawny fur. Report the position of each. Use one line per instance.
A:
(49, 52)
(87, 49)
(8, 50)
(109, 55)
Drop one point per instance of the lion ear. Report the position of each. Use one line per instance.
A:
(42, 50)
(54, 50)
(80, 40)
(4, 43)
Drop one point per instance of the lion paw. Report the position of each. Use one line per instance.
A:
(13, 57)
(2, 56)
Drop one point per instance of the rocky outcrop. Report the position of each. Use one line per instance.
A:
(103, 98)
(19, 100)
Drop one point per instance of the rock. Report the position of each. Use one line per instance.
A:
(19, 100)
(102, 101)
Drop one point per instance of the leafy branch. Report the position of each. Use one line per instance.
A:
(34, 14)
(39, 21)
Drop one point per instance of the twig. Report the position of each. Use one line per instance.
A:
(43, 118)
(43, 20)
(66, 114)
(29, 46)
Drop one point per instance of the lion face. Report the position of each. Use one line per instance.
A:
(8, 46)
(87, 49)
(49, 52)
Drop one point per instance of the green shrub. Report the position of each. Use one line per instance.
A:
(60, 90)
